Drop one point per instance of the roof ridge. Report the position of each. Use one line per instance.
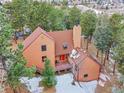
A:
(96, 60)
(59, 31)
(38, 29)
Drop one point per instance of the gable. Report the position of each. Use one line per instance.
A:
(61, 38)
(89, 62)
(33, 53)
(33, 36)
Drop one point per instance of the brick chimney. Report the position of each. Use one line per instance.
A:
(77, 36)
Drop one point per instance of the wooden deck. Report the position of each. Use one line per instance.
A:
(63, 67)
(59, 67)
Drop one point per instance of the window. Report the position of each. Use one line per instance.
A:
(43, 58)
(85, 75)
(65, 45)
(43, 48)
(56, 61)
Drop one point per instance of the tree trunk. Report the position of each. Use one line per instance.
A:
(83, 44)
(15, 39)
(108, 54)
(90, 39)
(102, 57)
(14, 91)
(97, 54)
(105, 59)
(84, 40)
(19, 88)
(114, 68)
(3, 63)
(87, 44)
(23, 37)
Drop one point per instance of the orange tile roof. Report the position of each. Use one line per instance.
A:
(60, 38)
(83, 55)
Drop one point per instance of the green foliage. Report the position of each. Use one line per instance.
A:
(33, 14)
(49, 79)
(12, 58)
(88, 23)
(118, 90)
(116, 20)
(64, 2)
(46, 16)
(73, 17)
(117, 49)
(121, 79)
(18, 68)
(119, 46)
(121, 67)
(18, 10)
(5, 32)
(38, 15)
(56, 18)
(103, 34)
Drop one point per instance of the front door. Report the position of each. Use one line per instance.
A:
(63, 58)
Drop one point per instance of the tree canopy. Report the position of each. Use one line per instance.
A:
(33, 14)
(18, 11)
(6, 32)
(116, 20)
(103, 34)
(73, 17)
(117, 50)
(88, 23)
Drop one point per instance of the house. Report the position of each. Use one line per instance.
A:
(85, 67)
(56, 46)
(63, 49)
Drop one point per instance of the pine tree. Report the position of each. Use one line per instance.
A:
(18, 69)
(117, 50)
(103, 36)
(88, 25)
(73, 18)
(48, 75)
(13, 60)
(6, 32)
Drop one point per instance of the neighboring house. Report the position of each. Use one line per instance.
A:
(56, 46)
(85, 67)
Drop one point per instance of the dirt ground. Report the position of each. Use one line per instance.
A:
(21, 90)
